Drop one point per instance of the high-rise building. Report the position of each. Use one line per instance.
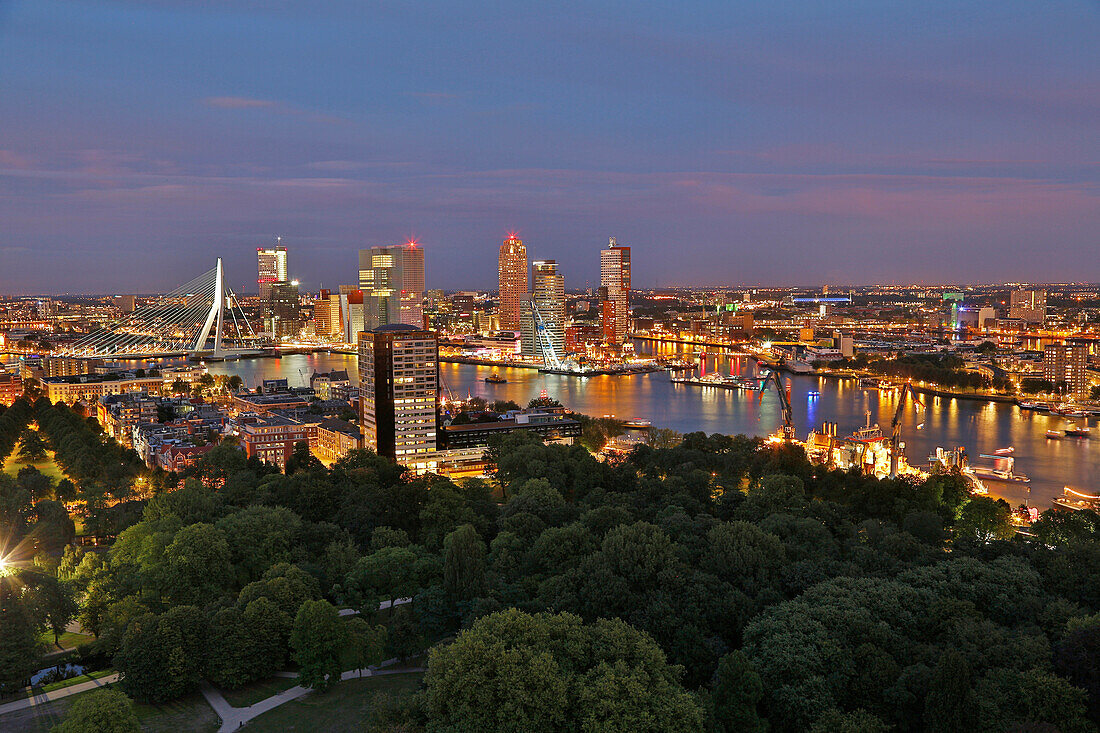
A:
(352, 314)
(1028, 305)
(615, 277)
(548, 297)
(512, 278)
(398, 388)
(1067, 363)
(283, 314)
(322, 314)
(271, 268)
(392, 281)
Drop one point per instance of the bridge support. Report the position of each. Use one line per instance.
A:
(217, 311)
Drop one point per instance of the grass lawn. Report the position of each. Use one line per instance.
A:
(342, 709)
(68, 640)
(260, 690)
(48, 467)
(189, 713)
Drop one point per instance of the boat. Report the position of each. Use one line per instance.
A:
(1078, 431)
(1004, 451)
(996, 474)
(813, 393)
(1055, 434)
(869, 383)
(1077, 500)
(496, 379)
(637, 423)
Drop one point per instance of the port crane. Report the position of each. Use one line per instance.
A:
(784, 393)
(895, 426)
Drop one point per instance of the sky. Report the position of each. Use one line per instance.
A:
(727, 142)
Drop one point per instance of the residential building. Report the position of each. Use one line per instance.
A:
(615, 277)
(271, 268)
(398, 388)
(90, 387)
(11, 387)
(119, 413)
(180, 456)
(271, 438)
(1067, 363)
(335, 439)
(323, 382)
(512, 279)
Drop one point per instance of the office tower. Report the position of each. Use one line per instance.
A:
(1028, 305)
(125, 303)
(512, 278)
(1067, 363)
(548, 298)
(271, 268)
(398, 388)
(352, 314)
(392, 281)
(283, 314)
(322, 314)
(615, 276)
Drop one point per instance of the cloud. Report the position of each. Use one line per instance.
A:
(269, 105)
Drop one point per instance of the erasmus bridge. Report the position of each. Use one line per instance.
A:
(199, 318)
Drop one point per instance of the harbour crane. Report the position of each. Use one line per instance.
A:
(784, 401)
(895, 426)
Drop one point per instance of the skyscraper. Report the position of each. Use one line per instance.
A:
(512, 278)
(271, 267)
(548, 296)
(392, 281)
(283, 315)
(1067, 363)
(615, 277)
(398, 387)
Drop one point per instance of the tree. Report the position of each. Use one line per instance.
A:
(985, 519)
(20, 649)
(32, 447)
(102, 711)
(388, 573)
(951, 705)
(55, 599)
(736, 690)
(197, 568)
(162, 657)
(319, 636)
(512, 671)
(464, 564)
(365, 642)
(857, 721)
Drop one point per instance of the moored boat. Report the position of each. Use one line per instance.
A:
(1055, 434)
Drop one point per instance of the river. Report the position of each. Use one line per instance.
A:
(981, 427)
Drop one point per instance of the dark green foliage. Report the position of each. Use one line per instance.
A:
(735, 692)
(102, 711)
(162, 657)
(317, 640)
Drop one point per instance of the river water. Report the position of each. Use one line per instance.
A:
(980, 427)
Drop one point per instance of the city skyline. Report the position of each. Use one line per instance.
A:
(775, 144)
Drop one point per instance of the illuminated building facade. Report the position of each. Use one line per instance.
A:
(398, 388)
(392, 281)
(271, 268)
(512, 279)
(615, 278)
(548, 295)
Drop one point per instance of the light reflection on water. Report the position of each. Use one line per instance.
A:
(978, 426)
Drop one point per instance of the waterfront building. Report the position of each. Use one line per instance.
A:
(548, 296)
(322, 314)
(1028, 305)
(352, 314)
(615, 278)
(392, 282)
(398, 388)
(1067, 363)
(553, 426)
(512, 281)
(271, 268)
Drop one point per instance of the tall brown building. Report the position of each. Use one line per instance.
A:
(513, 281)
(398, 385)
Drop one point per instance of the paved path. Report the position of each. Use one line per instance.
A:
(45, 697)
(233, 718)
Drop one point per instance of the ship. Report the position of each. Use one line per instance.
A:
(496, 379)
(1055, 434)
(1078, 431)
(718, 380)
(1077, 500)
(869, 383)
(637, 423)
(1001, 470)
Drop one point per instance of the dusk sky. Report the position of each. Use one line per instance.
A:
(726, 142)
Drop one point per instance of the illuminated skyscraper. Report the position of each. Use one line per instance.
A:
(615, 277)
(548, 296)
(392, 281)
(271, 268)
(398, 386)
(512, 275)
